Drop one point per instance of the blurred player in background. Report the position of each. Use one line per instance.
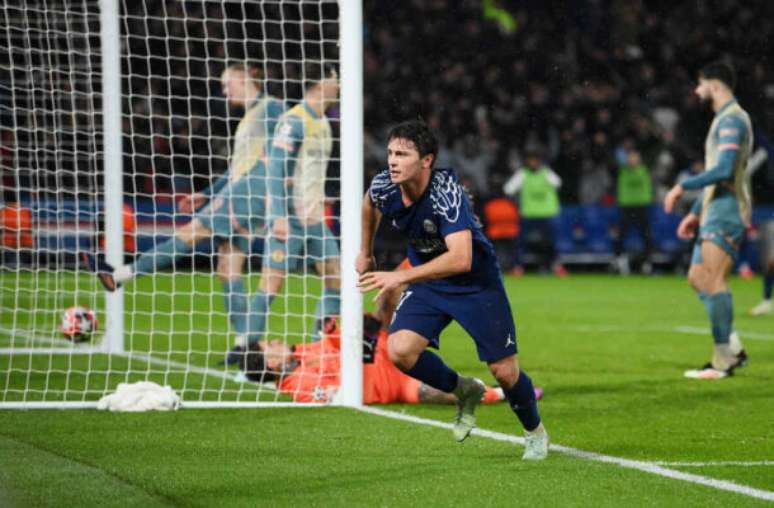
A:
(721, 215)
(298, 163)
(235, 203)
(454, 276)
(767, 265)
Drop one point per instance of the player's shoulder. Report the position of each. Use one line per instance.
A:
(734, 123)
(290, 126)
(447, 193)
(274, 106)
(382, 188)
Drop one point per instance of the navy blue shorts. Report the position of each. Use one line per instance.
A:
(485, 315)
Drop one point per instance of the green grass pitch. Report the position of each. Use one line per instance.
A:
(608, 351)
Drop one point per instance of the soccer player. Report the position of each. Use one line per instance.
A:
(298, 162)
(311, 372)
(721, 215)
(767, 261)
(454, 276)
(235, 203)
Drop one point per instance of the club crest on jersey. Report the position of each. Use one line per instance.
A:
(429, 226)
(278, 255)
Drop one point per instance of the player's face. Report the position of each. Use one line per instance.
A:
(234, 86)
(703, 90)
(275, 354)
(404, 162)
(330, 89)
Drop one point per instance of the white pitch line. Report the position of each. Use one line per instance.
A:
(689, 330)
(743, 463)
(646, 467)
(697, 330)
(146, 357)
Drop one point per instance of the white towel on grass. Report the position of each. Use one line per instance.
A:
(140, 396)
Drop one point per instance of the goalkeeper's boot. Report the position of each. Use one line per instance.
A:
(762, 309)
(104, 271)
(469, 393)
(707, 371)
(535, 444)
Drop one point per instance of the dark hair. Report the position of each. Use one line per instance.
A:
(254, 366)
(418, 133)
(722, 71)
(317, 70)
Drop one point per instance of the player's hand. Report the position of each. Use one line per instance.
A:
(192, 202)
(671, 198)
(365, 263)
(383, 281)
(280, 229)
(687, 228)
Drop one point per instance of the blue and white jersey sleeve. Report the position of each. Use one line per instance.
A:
(384, 193)
(450, 204)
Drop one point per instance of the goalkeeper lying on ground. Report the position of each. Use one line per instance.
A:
(311, 372)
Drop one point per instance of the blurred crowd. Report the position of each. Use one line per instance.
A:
(586, 82)
(582, 82)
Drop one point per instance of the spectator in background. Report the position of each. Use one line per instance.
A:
(501, 226)
(473, 157)
(537, 188)
(635, 194)
(765, 307)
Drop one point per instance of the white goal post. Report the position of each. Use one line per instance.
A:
(111, 112)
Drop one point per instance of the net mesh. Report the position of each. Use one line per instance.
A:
(178, 132)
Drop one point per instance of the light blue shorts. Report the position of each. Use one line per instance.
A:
(306, 244)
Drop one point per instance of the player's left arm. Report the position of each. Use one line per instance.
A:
(283, 155)
(732, 132)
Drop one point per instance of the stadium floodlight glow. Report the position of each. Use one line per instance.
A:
(113, 111)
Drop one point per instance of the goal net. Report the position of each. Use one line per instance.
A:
(180, 126)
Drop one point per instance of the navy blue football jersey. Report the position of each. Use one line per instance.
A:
(443, 209)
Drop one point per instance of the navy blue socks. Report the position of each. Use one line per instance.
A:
(521, 397)
(431, 370)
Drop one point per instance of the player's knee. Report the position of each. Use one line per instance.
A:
(402, 354)
(193, 232)
(505, 371)
(697, 278)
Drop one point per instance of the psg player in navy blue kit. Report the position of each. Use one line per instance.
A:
(454, 276)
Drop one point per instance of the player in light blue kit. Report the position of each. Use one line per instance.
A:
(234, 207)
(454, 276)
(721, 215)
(297, 167)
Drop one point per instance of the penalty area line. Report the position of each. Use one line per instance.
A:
(646, 467)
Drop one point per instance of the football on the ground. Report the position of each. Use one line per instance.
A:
(79, 323)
